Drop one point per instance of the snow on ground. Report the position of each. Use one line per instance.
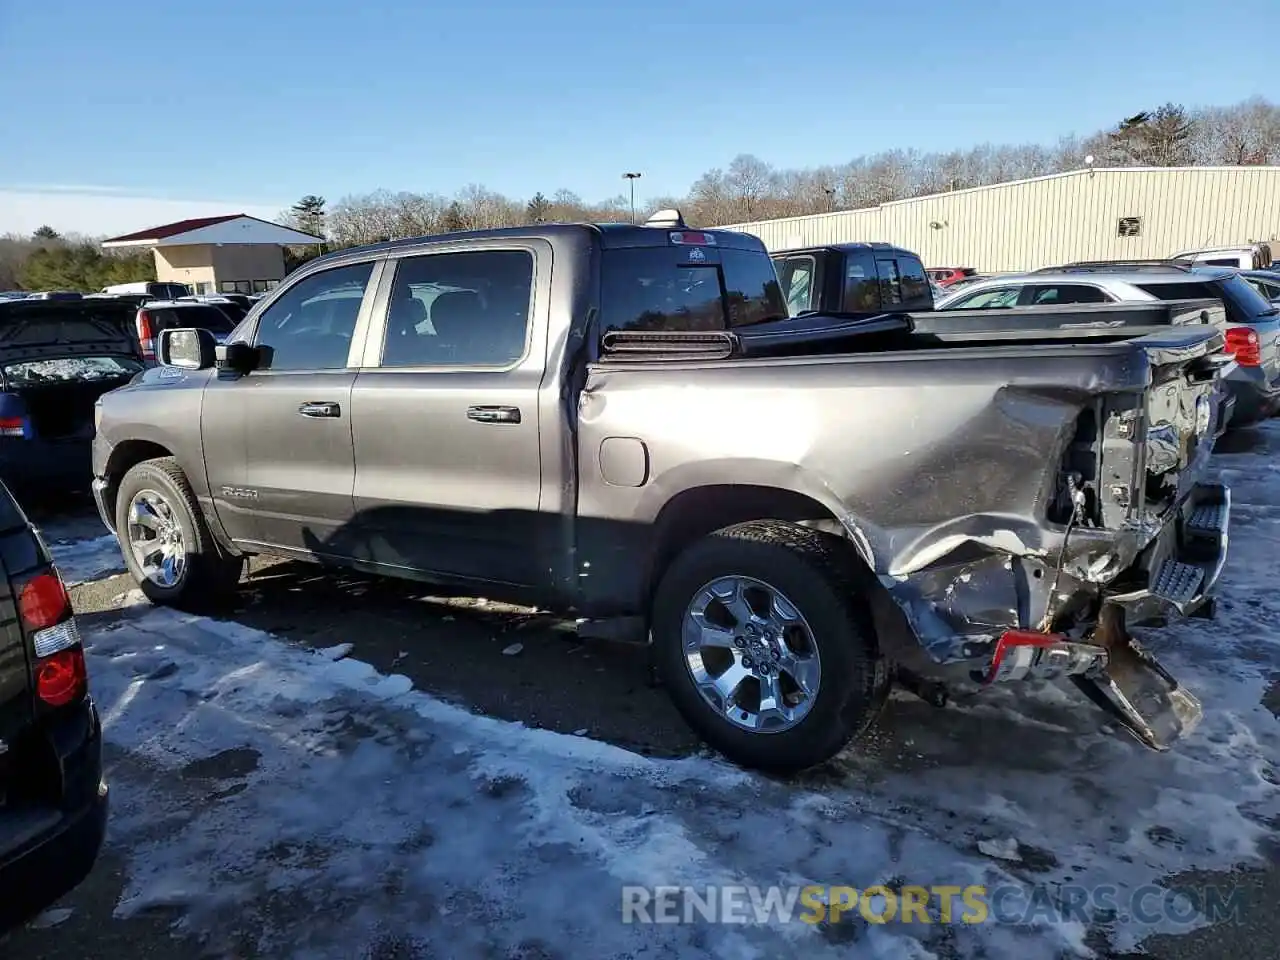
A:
(81, 561)
(300, 804)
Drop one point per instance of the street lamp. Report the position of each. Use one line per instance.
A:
(632, 178)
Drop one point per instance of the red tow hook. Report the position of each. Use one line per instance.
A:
(1020, 654)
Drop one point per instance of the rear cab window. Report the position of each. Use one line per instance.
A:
(861, 283)
(682, 288)
(797, 275)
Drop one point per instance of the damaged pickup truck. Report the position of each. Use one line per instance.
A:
(621, 423)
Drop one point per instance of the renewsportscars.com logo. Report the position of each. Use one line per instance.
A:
(973, 904)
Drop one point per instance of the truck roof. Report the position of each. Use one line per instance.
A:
(609, 235)
(873, 245)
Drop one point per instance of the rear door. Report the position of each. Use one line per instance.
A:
(445, 415)
(277, 441)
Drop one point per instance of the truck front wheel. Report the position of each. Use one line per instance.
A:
(166, 543)
(766, 646)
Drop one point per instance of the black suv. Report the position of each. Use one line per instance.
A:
(53, 798)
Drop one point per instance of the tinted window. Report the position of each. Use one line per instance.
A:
(459, 309)
(310, 326)
(687, 289)
(1222, 262)
(796, 276)
(1068, 293)
(988, 299)
(1244, 304)
(916, 291)
(890, 282)
(208, 317)
(861, 285)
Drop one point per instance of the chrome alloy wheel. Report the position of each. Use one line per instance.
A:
(751, 654)
(155, 538)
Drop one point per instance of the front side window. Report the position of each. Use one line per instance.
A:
(466, 309)
(890, 282)
(310, 327)
(995, 299)
(917, 294)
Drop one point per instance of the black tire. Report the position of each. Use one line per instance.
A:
(210, 575)
(819, 575)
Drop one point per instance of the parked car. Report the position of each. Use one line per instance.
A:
(946, 276)
(13, 294)
(853, 278)
(1266, 282)
(1249, 256)
(158, 315)
(55, 295)
(234, 305)
(56, 359)
(1252, 325)
(54, 810)
(623, 423)
(156, 290)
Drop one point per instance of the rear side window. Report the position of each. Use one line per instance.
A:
(1243, 303)
(796, 276)
(684, 289)
(1067, 293)
(861, 284)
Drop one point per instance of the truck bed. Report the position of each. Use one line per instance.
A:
(949, 329)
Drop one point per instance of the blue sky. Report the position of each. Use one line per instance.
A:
(252, 104)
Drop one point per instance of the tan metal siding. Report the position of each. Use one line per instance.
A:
(1071, 216)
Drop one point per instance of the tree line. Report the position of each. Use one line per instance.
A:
(49, 261)
(1247, 133)
(747, 189)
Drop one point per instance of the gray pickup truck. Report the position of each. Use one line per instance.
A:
(622, 424)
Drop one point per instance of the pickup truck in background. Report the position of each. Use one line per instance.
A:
(853, 278)
(622, 424)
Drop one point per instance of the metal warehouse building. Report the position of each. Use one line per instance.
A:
(1090, 214)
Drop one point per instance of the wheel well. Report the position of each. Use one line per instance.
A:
(124, 457)
(693, 514)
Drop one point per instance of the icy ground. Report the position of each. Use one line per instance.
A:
(289, 803)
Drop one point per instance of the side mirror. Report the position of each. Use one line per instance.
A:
(236, 356)
(191, 348)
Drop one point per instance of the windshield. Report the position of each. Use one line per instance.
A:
(78, 368)
(688, 289)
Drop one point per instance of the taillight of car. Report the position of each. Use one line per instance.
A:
(59, 667)
(13, 426)
(146, 335)
(1243, 344)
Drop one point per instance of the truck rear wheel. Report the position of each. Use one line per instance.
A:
(766, 647)
(166, 543)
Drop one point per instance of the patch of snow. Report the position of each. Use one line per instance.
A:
(512, 650)
(51, 918)
(336, 652)
(346, 794)
(82, 561)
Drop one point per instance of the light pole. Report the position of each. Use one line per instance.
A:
(632, 178)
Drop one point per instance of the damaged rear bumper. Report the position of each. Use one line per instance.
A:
(1171, 575)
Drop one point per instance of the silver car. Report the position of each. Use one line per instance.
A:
(1253, 321)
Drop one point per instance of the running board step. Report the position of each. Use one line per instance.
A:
(1208, 520)
(1177, 582)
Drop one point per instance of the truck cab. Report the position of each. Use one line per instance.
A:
(853, 278)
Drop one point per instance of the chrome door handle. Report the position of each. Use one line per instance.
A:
(320, 409)
(484, 414)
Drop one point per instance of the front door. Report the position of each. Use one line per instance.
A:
(445, 418)
(278, 440)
